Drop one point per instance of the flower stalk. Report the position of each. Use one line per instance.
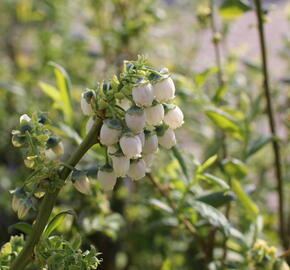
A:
(50, 198)
(272, 124)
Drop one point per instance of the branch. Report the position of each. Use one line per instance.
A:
(272, 124)
(50, 198)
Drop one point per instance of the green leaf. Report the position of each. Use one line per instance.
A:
(209, 162)
(250, 207)
(64, 86)
(50, 90)
(217, 199)
(201, 78)
(180, 160)
(225, 121)
(214, 180)
(212, 215)
(258, 144)
(56, 221)
(235, 168)
(161, 205)
(232, 9)
(21, 226)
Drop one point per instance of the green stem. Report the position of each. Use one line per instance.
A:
(50, 198)
(272, 124)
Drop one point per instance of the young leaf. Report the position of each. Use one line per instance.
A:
(231, 9)
(258, 144)
(21, 226)
(161, 205)
(234, 167)
(225, 121)
(245, 200)
(50, 90)
(56, 221)
(181, 161)
(214, 180)
(212, 215)
(217, 199)
(64, 86)
(210, 161)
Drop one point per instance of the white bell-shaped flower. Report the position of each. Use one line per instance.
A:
(24, 118)
(151, 143)
(121, 165)
(148, 158)
(164, 90)
(143, 95)
(86, 103)
(173, 117)
(137, 169)
(110, 132)
(131, 146)
(154, 115)
(135, 119)
(142, 137)
(81, 182)
(107, 178)
(112, 149)
(167, 139)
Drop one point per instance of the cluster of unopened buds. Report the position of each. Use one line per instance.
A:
(41, 148)
(138, 116)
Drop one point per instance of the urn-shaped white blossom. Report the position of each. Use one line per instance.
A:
(107, 177)
(143, 94)
(86, 103)
(154, 115)
(135, 119)
(142, 137)
(24, 118)
(167, 138)
(137, 169)
(131, 146)
(121, 165)
(148, 158)
(55, 145)
(110, 132)
(151, 143)
(81, 182)
(173, 117)
(164, 90)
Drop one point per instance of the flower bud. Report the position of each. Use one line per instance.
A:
(135, 119)
(23, 208)
(137, 169)
(29, 161)
(24, 118)
(120, 165)
(107, 177)
(39, 194)
(86, 103)
(167, 139)
(55, 145)
(112, 149)
(124, 103)
(154, 115)
(143, 94)
(18, 195)
(173, 117)
(164, 90)
(131, 146)
(151, 143)
(81, 182)
(148, 159)
(110, 132)
(17, 139)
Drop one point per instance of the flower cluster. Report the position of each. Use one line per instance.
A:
(138, 116)
(41, 148)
